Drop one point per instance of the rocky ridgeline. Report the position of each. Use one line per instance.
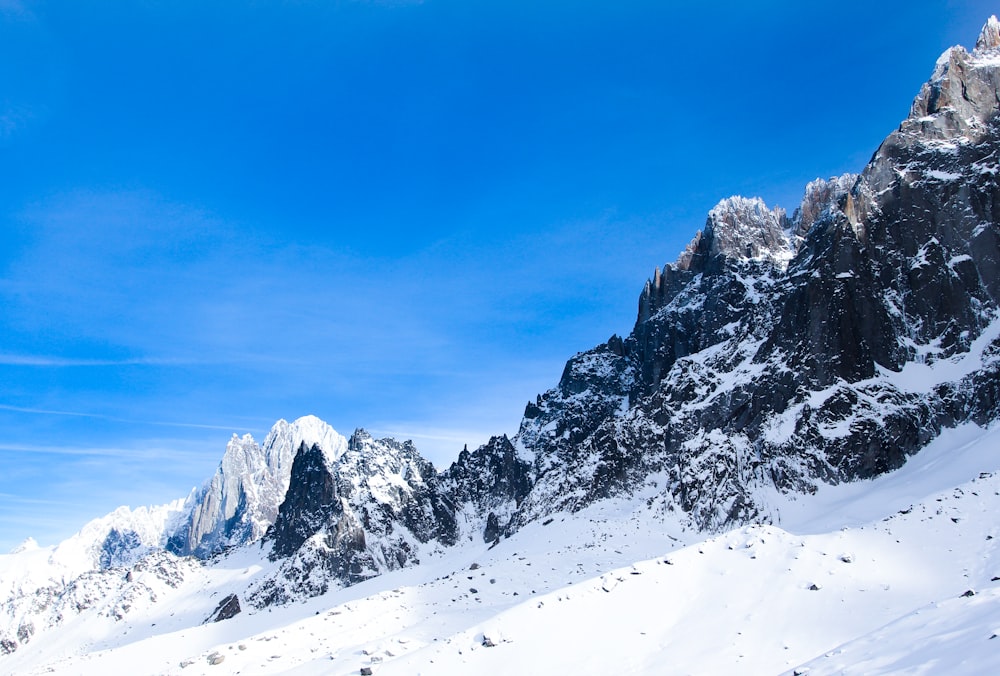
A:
(778, 353)
(774, 354)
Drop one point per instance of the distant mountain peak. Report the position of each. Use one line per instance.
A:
(989, 38)
(28, 545)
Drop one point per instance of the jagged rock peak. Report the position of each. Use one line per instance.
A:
(961, 97)
(989, 38)
(240, 502)
(740, 228)
(821, 196)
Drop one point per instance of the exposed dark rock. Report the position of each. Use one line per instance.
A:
(767, 355)
(25, 631)
(494, 479)
(119, 548)
(228, 607)
(354, 515)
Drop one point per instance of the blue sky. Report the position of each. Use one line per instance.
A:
(403, 216)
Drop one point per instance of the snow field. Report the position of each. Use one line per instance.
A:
(858, 578)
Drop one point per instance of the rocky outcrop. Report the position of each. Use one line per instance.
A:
(30, 610)
(240, 502)
(349, 516)
(492, 481)
(228, 608)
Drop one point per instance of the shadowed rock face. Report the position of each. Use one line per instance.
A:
(228, 608)
(311, 502)
(494, 480)
(348, 517)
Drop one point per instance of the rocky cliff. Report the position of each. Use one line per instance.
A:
(777, 353)
(348, 516)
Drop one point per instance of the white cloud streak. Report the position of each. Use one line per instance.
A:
(100, 416)
(47, 361)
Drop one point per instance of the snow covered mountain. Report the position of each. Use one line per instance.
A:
(240, 502)
(786, 377)
(785, 352)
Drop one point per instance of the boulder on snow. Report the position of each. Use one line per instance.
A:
(227, 608)
(7, 646)
(216, 658)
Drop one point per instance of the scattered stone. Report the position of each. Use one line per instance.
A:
(25, 631)
(473, 590)
(815, 587)
(186, 663)
(216, 658)
(488, 642)
(366, 671)
(474, 566)
(847, 558)
(242, 646)
(547, 522)
(493, 580)
(968, 592)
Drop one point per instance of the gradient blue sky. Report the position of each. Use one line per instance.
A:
(403, 216)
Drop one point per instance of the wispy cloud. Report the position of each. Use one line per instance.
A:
(109, 418)
(48, 361)
(131, 453)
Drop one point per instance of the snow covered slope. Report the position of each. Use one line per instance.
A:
(617, 588)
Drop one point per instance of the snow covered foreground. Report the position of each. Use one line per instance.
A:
(866, 578)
